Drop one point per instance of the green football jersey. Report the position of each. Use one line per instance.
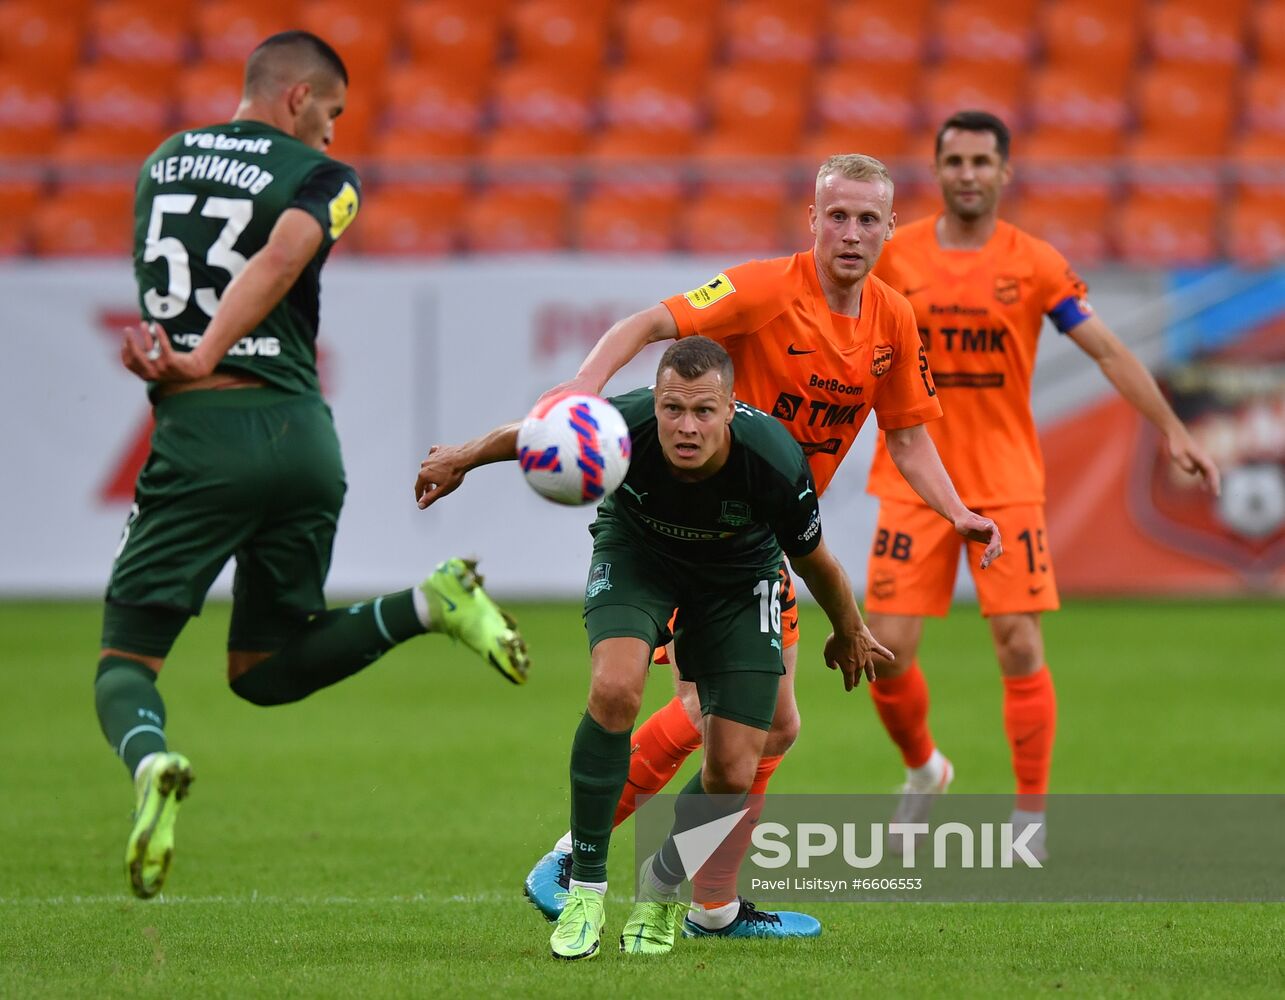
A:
(206, 202)
(761, 502)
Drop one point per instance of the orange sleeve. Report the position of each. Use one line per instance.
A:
(1058, 280)
(737, 301)
(909, 396)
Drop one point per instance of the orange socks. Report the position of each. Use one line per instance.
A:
(715, 883)
(902, 704)
(1030, 720)
(660, 745)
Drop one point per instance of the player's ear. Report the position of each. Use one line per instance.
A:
(297, 96)
(892, 227)
(812, 219)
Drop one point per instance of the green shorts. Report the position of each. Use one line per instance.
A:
(727, 638)
(254, 474)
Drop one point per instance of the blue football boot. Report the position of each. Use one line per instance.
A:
(549, 880)
(752, 922)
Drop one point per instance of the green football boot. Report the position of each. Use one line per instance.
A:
(579, 929)
(653, 922)
(460, 608)
(158, 789)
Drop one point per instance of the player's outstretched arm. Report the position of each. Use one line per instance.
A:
(249, 297)
(1132, 380)
(447, 464)
(616, 348)
(916, 457)
(850, 648)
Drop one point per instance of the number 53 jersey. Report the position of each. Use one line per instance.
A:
(206, 202)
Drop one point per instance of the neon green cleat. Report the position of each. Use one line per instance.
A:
(460, 608)
(653, 922)
(158, 788)
(579, 929)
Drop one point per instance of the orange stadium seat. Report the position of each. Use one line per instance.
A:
(851, 96)
(1196, 112)
(452, 36)
(541, 98)
(103, 156)
(1258, 162)
(718, 223)
(21, 198)
(355, 128)
(650, 100)
(609, 222)
(43, 43)
(362, 36)
(669, 35)
(228, 30)
(766, 32)
(510, 222)
(1170, 230)
(867, 31)
(208, 92)
(118, 95)
(882, 143)
(1264, 100)
(410, 220)
(139, 32)
(1269, 32)
(1075, 225)
(1256, 231)
(1077, 102)
(1098, 40)
(85, 223)
(76, 9)
(413, 155)
(1055, 161)
(432, 98)
(635, 162)
(952, 87)
(755, 113)
(31, 113)
(915, 201)
(1195, 31)
(568, 34)
(984, 32)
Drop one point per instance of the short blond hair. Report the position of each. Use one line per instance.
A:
(856, 167)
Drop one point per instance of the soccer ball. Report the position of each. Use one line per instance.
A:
(574, 449)
(1252, 503)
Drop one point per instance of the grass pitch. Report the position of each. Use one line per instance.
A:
(371, 841)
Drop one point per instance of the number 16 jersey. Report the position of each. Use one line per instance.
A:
(206, 202)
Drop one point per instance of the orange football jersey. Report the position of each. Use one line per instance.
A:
(818, 372)
(979, 314)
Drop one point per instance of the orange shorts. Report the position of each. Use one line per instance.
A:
(789, 616)
(915, 555)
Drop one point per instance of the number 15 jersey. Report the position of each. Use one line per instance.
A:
(206, 202)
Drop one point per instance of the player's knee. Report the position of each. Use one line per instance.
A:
(728, 775)
(614, 703)
(783, 734)
(1020, 651)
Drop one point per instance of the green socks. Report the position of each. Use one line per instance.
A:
(694, 807)
(599, 769)
(130, 709)
(330, 647)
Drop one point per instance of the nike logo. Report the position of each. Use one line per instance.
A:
(1027, 737)
(1036, 590)
(794, 350)
(913, 291)
(450, 605)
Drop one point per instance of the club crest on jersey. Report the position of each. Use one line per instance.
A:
(881, 360)
(787, 406)
(706, 295)
(599, 580)
(1007, 289)
(736, 514)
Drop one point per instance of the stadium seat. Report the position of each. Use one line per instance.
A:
(21, 198)
(542, 97)
(764, 32)
(867, 31)
(1269, 32)
(952, 87)
(719, 223)
(639, 164)
(139, 32)
(850, 97)
(1167, 230)
(355, 128)
(119, 95)
(85, 223)
(1054, 161)
(1264, 100)
(566, 34)
(508, 222)
(650, 100)
(208, 92)
(1076, 101)
(422, 95)
(1075, 225)
(362, 36)
(1195, 31)
(411, 220)
(1258, 162)
(981, 31)
(915, 201)
(1256, 229)
(754, 112)
(414, 156)
(41, 42)
(31, 113)
(609, 222)
(228, 30)
(103, 156)
(672, 36)
(885, 144)
(452, 37)
(1195, 111)
(1099, 40)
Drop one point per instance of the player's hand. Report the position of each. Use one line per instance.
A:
(439, 474)
(1194, 460)
(147, 352)
(976, 528)
(567, 388)
(853, 655)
